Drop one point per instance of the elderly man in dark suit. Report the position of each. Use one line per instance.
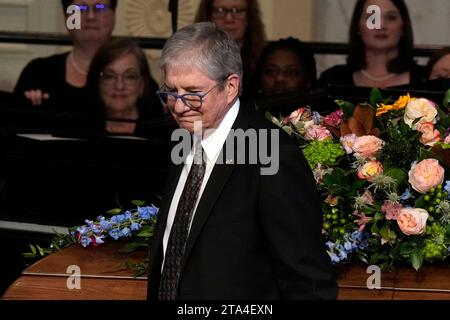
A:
(227, 229)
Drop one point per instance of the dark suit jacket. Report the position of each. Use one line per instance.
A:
(253, 236)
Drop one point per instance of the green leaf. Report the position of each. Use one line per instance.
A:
(347, 107)
(447, 99)
(114, 211)
(375, 96)
(138, 203)
(145, 233)
(397, 174)
(133, 246)
(41, 251)
(385, 232)
(416, 259)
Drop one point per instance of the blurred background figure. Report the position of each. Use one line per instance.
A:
(285, 66)
(120, 81)
(241, 19)
(59, 80)
(439, 64)
(379, 57)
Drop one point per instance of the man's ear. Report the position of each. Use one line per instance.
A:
(232, 85)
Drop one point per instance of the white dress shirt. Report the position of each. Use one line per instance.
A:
(212, 145)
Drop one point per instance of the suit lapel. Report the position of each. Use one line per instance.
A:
(213, 189)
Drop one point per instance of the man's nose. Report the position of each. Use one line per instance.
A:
(179, 106)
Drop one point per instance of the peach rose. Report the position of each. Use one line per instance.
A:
(429, 135)
(412, 221)
(370, 170)
(367, 147)
(420, 108)
(425, 175)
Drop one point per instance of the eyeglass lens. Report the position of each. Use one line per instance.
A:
(221, 12)
(128, 78)
(97, 8)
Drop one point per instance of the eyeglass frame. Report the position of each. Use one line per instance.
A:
(181, 97)
(86, 8)
(119, 76)
(216, 13)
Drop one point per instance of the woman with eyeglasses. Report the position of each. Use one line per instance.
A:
(119, 79)
(59, 81)
(241, 19)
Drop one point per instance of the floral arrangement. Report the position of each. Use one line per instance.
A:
(136, 223)
(380, 168)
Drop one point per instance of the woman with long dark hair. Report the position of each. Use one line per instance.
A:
(380, 57)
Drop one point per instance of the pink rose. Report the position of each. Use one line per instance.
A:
(422, 109)
(334, 119)
(317, 132)
(370, 170)
(367, 147)
(429, 135)
(348, 141)
(296, 115)
(391, 209)
(447, 139)
(367, 198)
(425, 175)
(412, 221)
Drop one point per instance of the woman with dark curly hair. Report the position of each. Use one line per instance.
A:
(285, 66)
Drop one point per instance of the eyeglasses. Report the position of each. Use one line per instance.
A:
(129, 79)
(96, 8)
(193, 101)
(289, 72)
(221, 13)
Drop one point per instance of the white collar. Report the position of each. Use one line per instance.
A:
(213, 143)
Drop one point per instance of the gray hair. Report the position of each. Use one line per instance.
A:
(206, 47)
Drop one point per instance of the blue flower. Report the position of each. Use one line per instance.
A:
(406, 195)
(115, 233)
(83, 230)
(146, 213)
(447, 186)
(135, 226)
(335, 259)
(105, 224)
(126, 232)
(348, 246)
(85, 241)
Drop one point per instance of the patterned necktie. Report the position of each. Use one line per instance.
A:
(180, 227)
